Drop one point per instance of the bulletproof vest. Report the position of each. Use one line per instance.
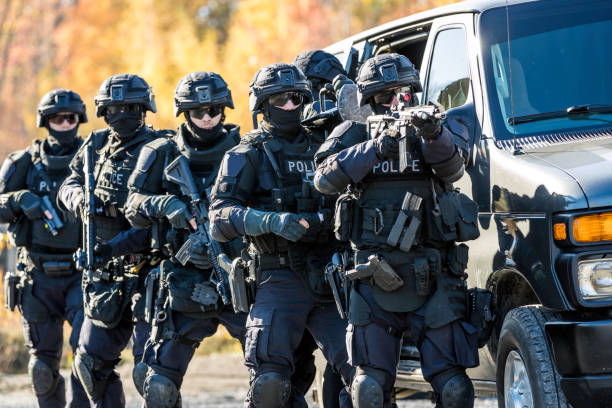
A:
(204, 165)
(44, 178)
(381, 194)
(285, 181)
(114, 165)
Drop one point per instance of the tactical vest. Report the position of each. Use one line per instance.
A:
(44, 178)
(204, 165)
(285, 185)
(114, 165)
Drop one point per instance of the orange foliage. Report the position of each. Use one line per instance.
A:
(76, 44)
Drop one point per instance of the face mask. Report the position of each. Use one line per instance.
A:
(125, 124)
(284, 121)
(204, 136)
(63, 139)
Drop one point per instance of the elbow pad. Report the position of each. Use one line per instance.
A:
(329, 177)
(450, 170)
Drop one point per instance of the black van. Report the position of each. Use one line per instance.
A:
(531, 82)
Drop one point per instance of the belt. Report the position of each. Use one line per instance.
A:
(52, 264)
(273, 261)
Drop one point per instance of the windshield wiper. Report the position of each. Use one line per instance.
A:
(572, 110)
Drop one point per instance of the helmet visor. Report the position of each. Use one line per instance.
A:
(279, 100)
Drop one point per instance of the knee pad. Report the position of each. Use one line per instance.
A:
(139, 375)
(453, 389)
(367, 390)
(88, 369)
(160, 391)
(270, 390)
(44, 377)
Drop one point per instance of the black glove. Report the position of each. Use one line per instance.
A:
(387, 145)
(339, 81)
(286, 225)
(177, 213)
(428, 126)
(198, 255)
(102, 253)
(27, 202)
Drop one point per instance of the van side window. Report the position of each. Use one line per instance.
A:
(449, 76)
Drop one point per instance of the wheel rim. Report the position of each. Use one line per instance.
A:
(517, 388)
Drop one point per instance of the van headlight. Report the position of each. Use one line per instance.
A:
(595, 278)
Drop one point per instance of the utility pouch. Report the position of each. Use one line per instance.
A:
(457, 217)
(12, 290)
(422, 276)
(315, 277)
(32, 309)
(150, 286)
(458, 259)
(343, 217)
(105, 301)
(383, 274)
(190, 293)
(238, 286)
(479, 305)
(57, 269)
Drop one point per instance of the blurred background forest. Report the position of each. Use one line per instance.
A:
(76, 44)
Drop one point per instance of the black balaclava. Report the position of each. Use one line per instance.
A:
(284, 122)
(125, 124)
(200, 137)
(61, 142)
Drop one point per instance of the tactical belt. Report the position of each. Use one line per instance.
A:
(170, 335)
(273, 261)
(53, 265)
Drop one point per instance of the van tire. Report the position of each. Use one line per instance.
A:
(522, 338)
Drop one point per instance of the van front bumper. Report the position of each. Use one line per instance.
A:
(582, 353)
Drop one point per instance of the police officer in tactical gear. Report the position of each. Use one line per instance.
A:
(320, 68)
(49, 283)
(264, 193)
(202, 140)
(114, 308)
(418, 287)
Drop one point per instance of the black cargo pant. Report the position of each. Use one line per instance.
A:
(372, 346)
(107, 345)
(44, 336)
(277, 320)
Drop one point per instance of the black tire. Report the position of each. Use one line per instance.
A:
(523, 333)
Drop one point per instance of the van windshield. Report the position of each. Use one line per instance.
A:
(557, 74)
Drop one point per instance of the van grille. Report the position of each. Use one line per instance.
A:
(535, 142)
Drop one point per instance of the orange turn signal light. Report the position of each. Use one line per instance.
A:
(593, 228)
(559, 231)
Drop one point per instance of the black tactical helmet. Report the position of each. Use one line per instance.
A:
(277, 78)
(386, 71)
(122, 89)
(319, 64)
(199, 89)
(59, 100)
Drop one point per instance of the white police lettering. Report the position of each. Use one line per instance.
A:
(300, 166)
(42, 186)
(116, 178)
(392, 167)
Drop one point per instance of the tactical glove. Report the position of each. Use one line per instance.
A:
(428, 127)
(171, 207)
(198, 255)
(102, 253)
(386, 145)
(286, 225)
(27, 202)
(339, 81)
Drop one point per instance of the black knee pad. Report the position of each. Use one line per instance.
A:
(44, 375)
(89, 370)
(453, 389)
(367, 389)
(270, 390)
(139, 375)
(160, 391)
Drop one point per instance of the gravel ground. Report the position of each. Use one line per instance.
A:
(218, 380)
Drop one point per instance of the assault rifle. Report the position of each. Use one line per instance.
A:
(400, 123)
(84, 257)
(178, 172)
